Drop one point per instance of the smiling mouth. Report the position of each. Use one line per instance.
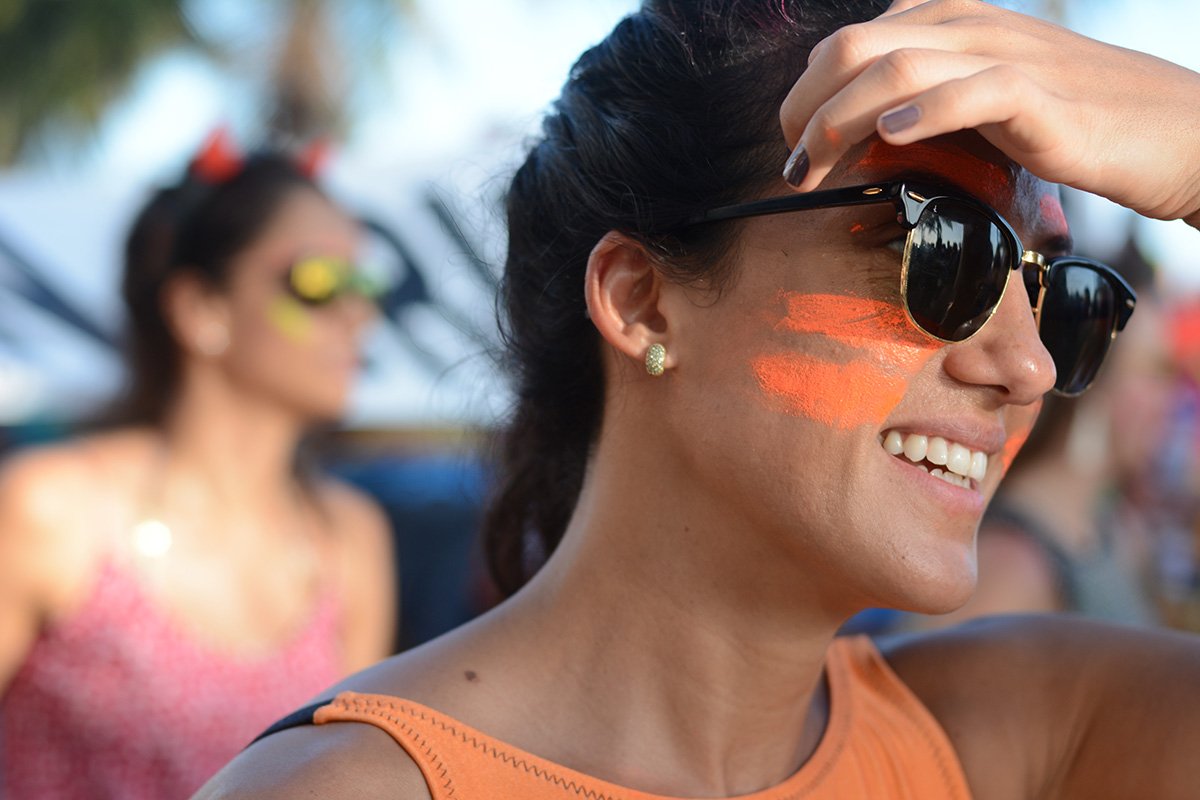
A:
(952, 462)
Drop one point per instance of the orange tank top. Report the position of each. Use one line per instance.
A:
(880, 743)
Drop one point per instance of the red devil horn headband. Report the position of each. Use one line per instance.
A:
(217, 160)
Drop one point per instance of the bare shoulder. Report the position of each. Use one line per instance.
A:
(1021, 696)
(335, 760)
(346, 759)
(44, 492)
(50, 487)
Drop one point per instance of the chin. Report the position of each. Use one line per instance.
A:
(940, 583)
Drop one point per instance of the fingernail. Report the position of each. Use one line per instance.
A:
(796, 167)
(901, 119)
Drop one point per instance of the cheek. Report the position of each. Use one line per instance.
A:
(860, 356)
(291, 320)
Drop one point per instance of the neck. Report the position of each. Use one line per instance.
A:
(682, 634)
(240, 447)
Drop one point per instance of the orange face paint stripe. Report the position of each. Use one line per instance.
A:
(882, 352)
(840, 395)
(854, 320)
(1013, 446)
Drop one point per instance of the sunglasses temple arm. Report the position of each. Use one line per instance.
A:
(829, 198)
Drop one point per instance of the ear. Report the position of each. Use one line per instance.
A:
(624, 294)
(197, 314)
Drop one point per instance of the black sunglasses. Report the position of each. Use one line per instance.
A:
(956, 264)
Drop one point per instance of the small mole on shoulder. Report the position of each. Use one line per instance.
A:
(471, 676)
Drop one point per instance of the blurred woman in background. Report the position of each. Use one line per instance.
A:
(169, 586)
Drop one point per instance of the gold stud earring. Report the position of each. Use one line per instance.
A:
(656, 358)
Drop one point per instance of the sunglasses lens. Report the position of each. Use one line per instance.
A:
(1078, 317)
(958, 264)
(315, 280)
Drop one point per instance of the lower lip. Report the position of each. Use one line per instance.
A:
(954, 499)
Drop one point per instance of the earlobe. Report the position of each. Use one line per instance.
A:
(624, 291)
(196, 315)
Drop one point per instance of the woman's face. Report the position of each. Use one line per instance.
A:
(790, 384)
(300, 356)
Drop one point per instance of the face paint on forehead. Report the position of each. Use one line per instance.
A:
(1036, 212)
(1052, 212)
(989, 180)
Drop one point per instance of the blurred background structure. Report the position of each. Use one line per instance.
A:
(425, 105)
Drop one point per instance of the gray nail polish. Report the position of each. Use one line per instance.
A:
(796, 167)
(901, 119)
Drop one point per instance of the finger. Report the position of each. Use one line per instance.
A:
(853, 114)
(842, 56)
(1002, 102)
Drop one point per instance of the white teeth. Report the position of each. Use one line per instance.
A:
(950, 477)
(962, 465)
(915, 446)
(959, 460)
(979, 462)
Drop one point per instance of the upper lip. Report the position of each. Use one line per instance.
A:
(973, 434)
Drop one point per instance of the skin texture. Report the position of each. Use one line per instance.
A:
(875, 349)
(745, 529)
(219, 472)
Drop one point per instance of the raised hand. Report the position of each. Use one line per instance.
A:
(1072, 110)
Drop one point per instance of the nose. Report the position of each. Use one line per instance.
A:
(1007, 353)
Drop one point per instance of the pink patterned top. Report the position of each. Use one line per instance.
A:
(117, 701)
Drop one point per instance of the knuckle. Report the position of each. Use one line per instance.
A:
(902, 67)
(1009, 76)
(849, 46)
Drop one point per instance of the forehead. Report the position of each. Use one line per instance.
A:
(306, 223)
(968, 162)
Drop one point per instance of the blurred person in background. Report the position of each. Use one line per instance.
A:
(173, 583)
(1071, 528)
